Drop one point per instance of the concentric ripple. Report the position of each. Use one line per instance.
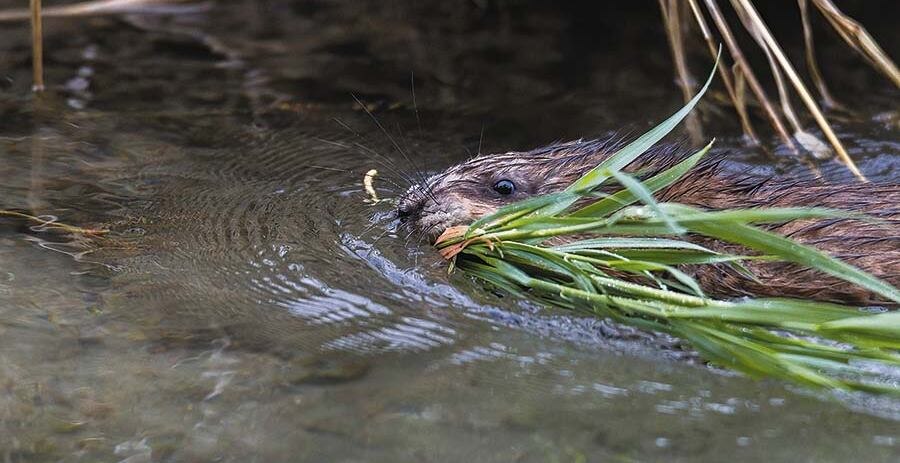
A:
(259, 242)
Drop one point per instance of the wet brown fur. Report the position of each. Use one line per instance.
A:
(464, 192)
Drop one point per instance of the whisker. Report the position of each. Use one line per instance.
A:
(374, 155)
(412, 85)
(377, 239)
(429, 191)
(396, 170)
(371, 227)
(330, 168)
(344, 125)
(387, 161)
(422, 236)
(426, 188)
(353, 172)
(426, 191)
(480, 138)
(366, 230)
(400, 188)
(390, 138)
(409, 235)
(418, 243)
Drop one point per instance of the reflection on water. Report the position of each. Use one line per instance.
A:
(247, 305)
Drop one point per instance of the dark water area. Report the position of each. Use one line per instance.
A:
(248, 305)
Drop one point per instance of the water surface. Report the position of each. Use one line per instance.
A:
(248, 305)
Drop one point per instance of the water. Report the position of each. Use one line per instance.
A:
(247, 305)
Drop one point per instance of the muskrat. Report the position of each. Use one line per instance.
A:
(467, 191)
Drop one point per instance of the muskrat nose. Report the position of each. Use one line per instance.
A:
(410, 203)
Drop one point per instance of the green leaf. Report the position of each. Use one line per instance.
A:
(646, 197)
(630, 152)
(625, 197)
(884, 325)
(634, 149)
(687, 214)
(513, 211)
(630, 243)
(792, 251)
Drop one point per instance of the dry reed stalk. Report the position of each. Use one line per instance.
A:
(809, 141)
(805, 96)
(859, 39)
(737, 99)
(748, 75)
(37, 46)
(671, 14)
(782, 69)
(827, 99)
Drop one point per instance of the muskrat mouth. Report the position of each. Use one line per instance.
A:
(429, 217)
(433, 225)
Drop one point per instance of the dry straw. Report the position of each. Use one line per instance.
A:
(784, 74)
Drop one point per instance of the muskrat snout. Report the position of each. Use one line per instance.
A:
(403, 213)
(409, 205)
(430, 211)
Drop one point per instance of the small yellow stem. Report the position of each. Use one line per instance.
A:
(368, 184)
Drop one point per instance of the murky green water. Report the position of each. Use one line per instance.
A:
(247, 305)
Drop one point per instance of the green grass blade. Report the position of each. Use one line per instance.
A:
(686, 214)
(634, 149)
(625, 197)
(884, 325)
(514, 211)
(645, 196)
(630, 243)
(674, 256)
(792, 251)
(630, 152)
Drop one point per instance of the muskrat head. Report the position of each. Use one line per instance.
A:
(468, 191)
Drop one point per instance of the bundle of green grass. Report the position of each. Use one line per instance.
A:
(629, 233)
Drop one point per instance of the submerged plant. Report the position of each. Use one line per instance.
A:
(616, 256)
(49, 222)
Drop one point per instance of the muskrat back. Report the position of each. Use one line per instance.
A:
(472, 189)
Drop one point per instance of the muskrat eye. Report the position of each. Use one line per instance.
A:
(505, 187)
